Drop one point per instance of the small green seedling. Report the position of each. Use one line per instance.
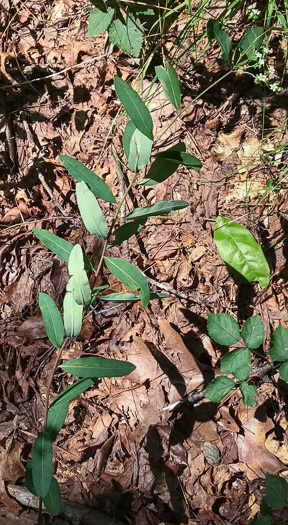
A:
(224, 330)
(275, 498)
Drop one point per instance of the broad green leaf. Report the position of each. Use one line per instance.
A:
(127, 35)
(52, 500)
(218, 388)
(237, 363)
(279, 344)
(180, 157)
(249, 44)
(248, 391)
(238, 249)
(161, 168)
(75, 262)
(80, 173)
(253, 332)
(126, 231)
(265, 510)
(134, 107)
(214, 31)
(42, 463)
(276, 491)
(130, 276)
(160, 208)
(59, 246)
(263, 520)
(29, 480)
(55, 420)
(71, 392)
(137, 147)
(171, 84)
(72, 315)
(52, 319)
(99, 20)
(223, 329)
(78, 284)
(96, 367)
(283, 371)
(90, 211)
(130, 297)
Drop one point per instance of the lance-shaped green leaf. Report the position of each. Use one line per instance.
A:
(127, 34)
(276, 491)
(253, 332)
(170, 82)
(52, 500)
(279, 344)
(160, 208)
(237, 363)
(137, 147)
(75, 262)
(214, 31)
(162, 168)
(130, 297)
(240, 251)
(130, 276)
(96, 367)
(80, 173)
(90, 211)
(52, 319)
(55, 420)
(248, 391)
(126, 231)
(29, 479)
(99, 20)
(134, 107)
(59, 246)
(223, 329)
(218, 388)
(42, 463)
(71, 392)
(72, 315)
(180, 157)
(78, 284)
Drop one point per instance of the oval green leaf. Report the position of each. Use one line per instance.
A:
(279, 344)
(90, 211)
(276, 491)
(237, 363)
(42, 463)
(75, 262)
(162, 168)
(253, 332)
(130, 276)
(171, 84)
(160, 208)
(96, 367)
(127, 34)
(134, 107)
(52, 500)
(283, 371)
(55, 420)
(248, 391)
(78, 284)
(71, 392)
(238, 249)
(99, 20)
(126, 231)
(52, 319)
(223, 329)
(72, 315)
(80, 173)
(218, 388)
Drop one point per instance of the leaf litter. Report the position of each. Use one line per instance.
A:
(119, 449)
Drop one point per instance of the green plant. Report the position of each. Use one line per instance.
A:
(137, 142)
(224, 330)
(275, 498)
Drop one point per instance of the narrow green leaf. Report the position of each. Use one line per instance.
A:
(29, 479)
(59, 246)
(52, 500)
(55, 420)
(75, 262)
(90, 211)
(180, 157)
(237, 363)
(134, 107)
(238, 248)
(52, 319)
(214, 31)
(279, 344)
(253, 332)
(218, 388)
(130, 297)
(42, 463)
(223, 329)
(72, 315)
(99, 20)
(127, 35)
(248, 391)
(160, 208)
(130, 276)
(78, 284)
(171, 84)
(283, 371)
(126, 231)
(71, 392)
(80, 173)
(137, 147)
(161, 168)
(96, 367)
(276, 491)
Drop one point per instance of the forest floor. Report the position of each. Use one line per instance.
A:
(120, 453)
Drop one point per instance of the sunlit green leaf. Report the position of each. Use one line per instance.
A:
(171, 84)
(253, 332)
(75, 262)
(71, 392)
(137, 147)
(279, 344)
(218, 388)
(237, 363)
(52, 319)
(126, 231)
(90, 211)
(127, 34)
(160, 208)
(130, 276)
(99, 20)
(223, 329)
(162, 168)
(130, 297)
(96, 367)
(72, 315)
(134, 107)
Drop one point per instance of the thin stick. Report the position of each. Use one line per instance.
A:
(49, 191)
